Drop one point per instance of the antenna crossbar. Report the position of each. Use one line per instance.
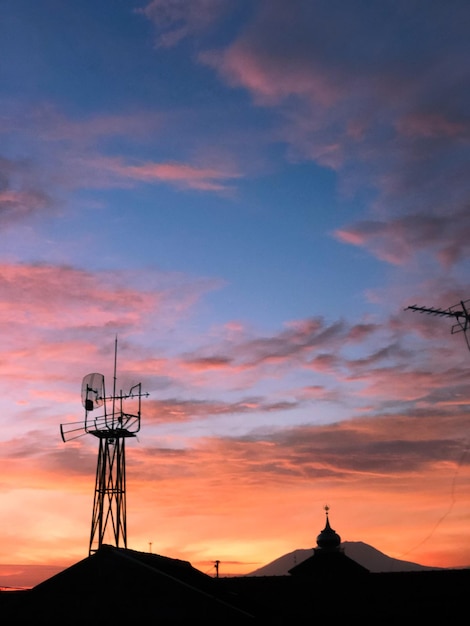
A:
(458, 311)
(433, 311)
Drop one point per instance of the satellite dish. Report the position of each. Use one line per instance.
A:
(93, 391)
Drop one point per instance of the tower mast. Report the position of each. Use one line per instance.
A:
(109, 518)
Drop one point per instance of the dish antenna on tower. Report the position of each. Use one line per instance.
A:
(112, 427)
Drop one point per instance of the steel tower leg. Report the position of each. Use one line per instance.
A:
(109, 506)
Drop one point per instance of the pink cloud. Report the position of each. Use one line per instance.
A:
(271, 75)
(401, 384)
(209, 363)
(325, 363)
(68, 297)
(177, 410)
(432, 125)
(39, 291)
(59, 317)
(397, 240)
(188, 176)
(115, 172)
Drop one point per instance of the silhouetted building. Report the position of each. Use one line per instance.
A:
(118, 585)
(328, 560)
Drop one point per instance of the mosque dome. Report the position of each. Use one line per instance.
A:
(328, 561)
(328, 539)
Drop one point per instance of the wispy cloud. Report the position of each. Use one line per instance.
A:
(22, 195)
(177, 19)
(398, 240)
(179, 174)
(70, 153)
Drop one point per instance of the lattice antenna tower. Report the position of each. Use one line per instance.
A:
(112, 427)
(459, 312)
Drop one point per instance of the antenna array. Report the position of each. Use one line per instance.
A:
(460, 312)
(112, 427)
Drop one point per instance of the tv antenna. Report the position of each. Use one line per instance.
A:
(460, 312)
(111, 428)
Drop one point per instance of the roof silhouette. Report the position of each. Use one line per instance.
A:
(117, 584)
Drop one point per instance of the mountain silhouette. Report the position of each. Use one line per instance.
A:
(364, 554)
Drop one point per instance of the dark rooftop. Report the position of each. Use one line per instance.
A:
(116, 584)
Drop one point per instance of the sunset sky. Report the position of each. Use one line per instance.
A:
(248, 194)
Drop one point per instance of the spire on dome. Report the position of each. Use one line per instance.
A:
(328, 539)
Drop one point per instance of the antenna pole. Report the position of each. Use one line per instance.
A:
(114, 376)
